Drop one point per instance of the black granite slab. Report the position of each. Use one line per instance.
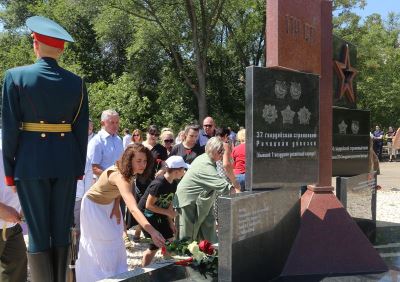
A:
(256, 232)
(350, 144)
(281, 128)
(358, 196)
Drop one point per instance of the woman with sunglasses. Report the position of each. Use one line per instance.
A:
(195, 196)
(157, 150)
(167, 139)
(137, 136)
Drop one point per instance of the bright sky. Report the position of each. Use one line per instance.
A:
(382, 7)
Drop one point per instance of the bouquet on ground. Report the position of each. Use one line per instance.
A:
(202, 256)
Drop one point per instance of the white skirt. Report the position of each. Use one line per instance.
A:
(101, 248)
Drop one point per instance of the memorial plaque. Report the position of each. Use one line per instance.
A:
(344, 74)
(350, 149)
(256, 232)
(358, 196)
(281, 128)
(294, 35)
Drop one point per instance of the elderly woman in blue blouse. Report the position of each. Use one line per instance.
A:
(196, 193)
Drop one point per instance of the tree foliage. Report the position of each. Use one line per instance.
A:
(174, 61)
(377, 42)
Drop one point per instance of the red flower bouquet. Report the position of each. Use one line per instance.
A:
(202, 256)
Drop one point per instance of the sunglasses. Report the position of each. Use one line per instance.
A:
(207, 125)
(135, 135)
(154, 134)
(169, 140)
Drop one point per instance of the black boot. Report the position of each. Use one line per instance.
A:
(41, 266)
(60, 260)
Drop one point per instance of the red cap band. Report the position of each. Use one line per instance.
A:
(51, 41)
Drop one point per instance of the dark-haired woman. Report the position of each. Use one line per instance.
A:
(157, 150)
(101, 249)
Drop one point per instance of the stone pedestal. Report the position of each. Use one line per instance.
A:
(256, 231)
(329, 241)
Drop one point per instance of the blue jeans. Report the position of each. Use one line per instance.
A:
(241, 179)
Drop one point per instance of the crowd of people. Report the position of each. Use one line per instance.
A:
(146, 182)
(61, 176)
(392, 140)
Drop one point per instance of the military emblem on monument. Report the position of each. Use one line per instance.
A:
(288, 115)
(270, 114)
(304, 115)
(281, 88)
(342, 127)
(295, 90)
(355, 126)
(346, 74)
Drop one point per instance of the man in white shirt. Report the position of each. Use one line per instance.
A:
(13, 261)
(106, 147)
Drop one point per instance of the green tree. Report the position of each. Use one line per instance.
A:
(378, 81)
(185, 29)
(182, 58)
(122, 96)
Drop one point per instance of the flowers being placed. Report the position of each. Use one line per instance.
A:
(196, 253)
(201, 255)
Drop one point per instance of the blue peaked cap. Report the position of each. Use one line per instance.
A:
(45, 26)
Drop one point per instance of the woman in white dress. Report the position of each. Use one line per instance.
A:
(101, 249)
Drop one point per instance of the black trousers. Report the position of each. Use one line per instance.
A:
(48, 206)
(378, 146)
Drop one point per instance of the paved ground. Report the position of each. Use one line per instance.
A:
(388, 199)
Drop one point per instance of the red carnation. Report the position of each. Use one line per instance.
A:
(163, 250)
(206, 247)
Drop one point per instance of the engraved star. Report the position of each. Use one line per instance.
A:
(346, 75)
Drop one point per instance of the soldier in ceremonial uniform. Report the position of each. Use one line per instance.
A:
(45, 125)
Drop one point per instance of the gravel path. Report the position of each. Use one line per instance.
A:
(388, 199)
(135, 253)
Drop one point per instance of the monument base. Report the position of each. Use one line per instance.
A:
(329, 242)
(256, 231)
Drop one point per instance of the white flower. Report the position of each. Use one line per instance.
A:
(195, 250)
(193, 247)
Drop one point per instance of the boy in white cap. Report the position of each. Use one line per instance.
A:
(156, 203)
